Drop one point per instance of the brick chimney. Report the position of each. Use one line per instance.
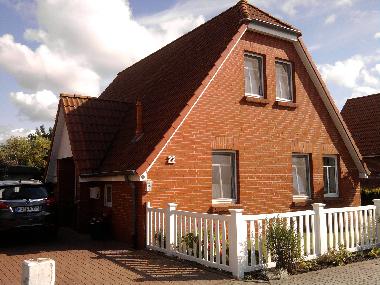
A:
(139, 118)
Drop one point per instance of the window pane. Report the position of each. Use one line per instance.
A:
(330, 174)
(329, 161)
(332, 180)
(283, 81)
(301, 174)
(325, 180)
(109, 194)
(223, 175)
(221, 158)
(216, 187)
(252, 68)
(226, 181)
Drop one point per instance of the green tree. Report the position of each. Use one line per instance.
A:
(28, 151)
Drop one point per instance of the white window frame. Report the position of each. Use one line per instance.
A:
(251, 95)
(331, 195)
(290, 81)
(106, 203)
(308, 174)
(226, 200)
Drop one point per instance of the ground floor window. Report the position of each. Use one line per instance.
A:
(223, 176)
(301, 175)
(108, 195)
(330, 175)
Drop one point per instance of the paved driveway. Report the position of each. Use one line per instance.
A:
(79, 260)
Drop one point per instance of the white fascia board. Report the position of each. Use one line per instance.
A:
(61, 147)
(330, 108)
(272, 30)
(117, 178)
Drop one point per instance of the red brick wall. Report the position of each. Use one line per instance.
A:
(263, 135)
(122, 214)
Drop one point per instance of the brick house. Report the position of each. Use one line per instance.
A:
(362, 116)
(232, 114)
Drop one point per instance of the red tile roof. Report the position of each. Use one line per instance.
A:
(362, 117)
(166, 81)
(101, 130)
(92, 125)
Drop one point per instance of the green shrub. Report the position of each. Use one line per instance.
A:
(190, 240)
(335, 257)
(283, 244)
(375, 252)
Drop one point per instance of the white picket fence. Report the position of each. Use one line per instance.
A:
(237, 242)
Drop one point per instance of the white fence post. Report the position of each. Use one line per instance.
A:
(238, 254)
(376, 202)
(320, 229)
(148, 225)
(170, 232)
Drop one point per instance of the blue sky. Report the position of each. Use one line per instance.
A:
(78, 46)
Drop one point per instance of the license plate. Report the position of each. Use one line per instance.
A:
(28, 209)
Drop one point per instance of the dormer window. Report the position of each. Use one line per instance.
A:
(253, 69)
(284, 86)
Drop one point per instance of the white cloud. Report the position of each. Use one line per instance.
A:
(40, 106)
(81, 45)
(377, 35)
(358, 74)
(330, 19)
(6, 132)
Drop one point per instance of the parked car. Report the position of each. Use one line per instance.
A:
(26, 205)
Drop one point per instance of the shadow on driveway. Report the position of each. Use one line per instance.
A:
(80, 260)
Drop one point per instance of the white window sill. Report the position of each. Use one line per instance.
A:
(300, 198)
(223, 201)
(257, 96)
(283, 100)
(331, 195)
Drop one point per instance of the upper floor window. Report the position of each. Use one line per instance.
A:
(330, 175)
(301, 175)
(253, 69)
(284, 86)
(223, 176)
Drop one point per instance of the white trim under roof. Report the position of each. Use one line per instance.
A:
(273, 30)
(117, 178)
(61, 147)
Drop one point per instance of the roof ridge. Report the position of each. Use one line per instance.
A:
(75, 96)
(177, 39)
(365, 96)
(271, 16)
(243, 8)
(92, 97)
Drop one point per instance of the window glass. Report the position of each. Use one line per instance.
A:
(330, 175)
(108, 196)
(23, 192)
(223, 175)
(301, 175)
(283, 81)
(253, 76)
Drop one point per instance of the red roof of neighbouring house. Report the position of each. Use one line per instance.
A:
(362, 116)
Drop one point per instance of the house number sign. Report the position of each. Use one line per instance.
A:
(171, 159)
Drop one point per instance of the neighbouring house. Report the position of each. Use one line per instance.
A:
(232, 114)
(362, 116)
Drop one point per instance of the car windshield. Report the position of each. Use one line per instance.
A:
(23, 192)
